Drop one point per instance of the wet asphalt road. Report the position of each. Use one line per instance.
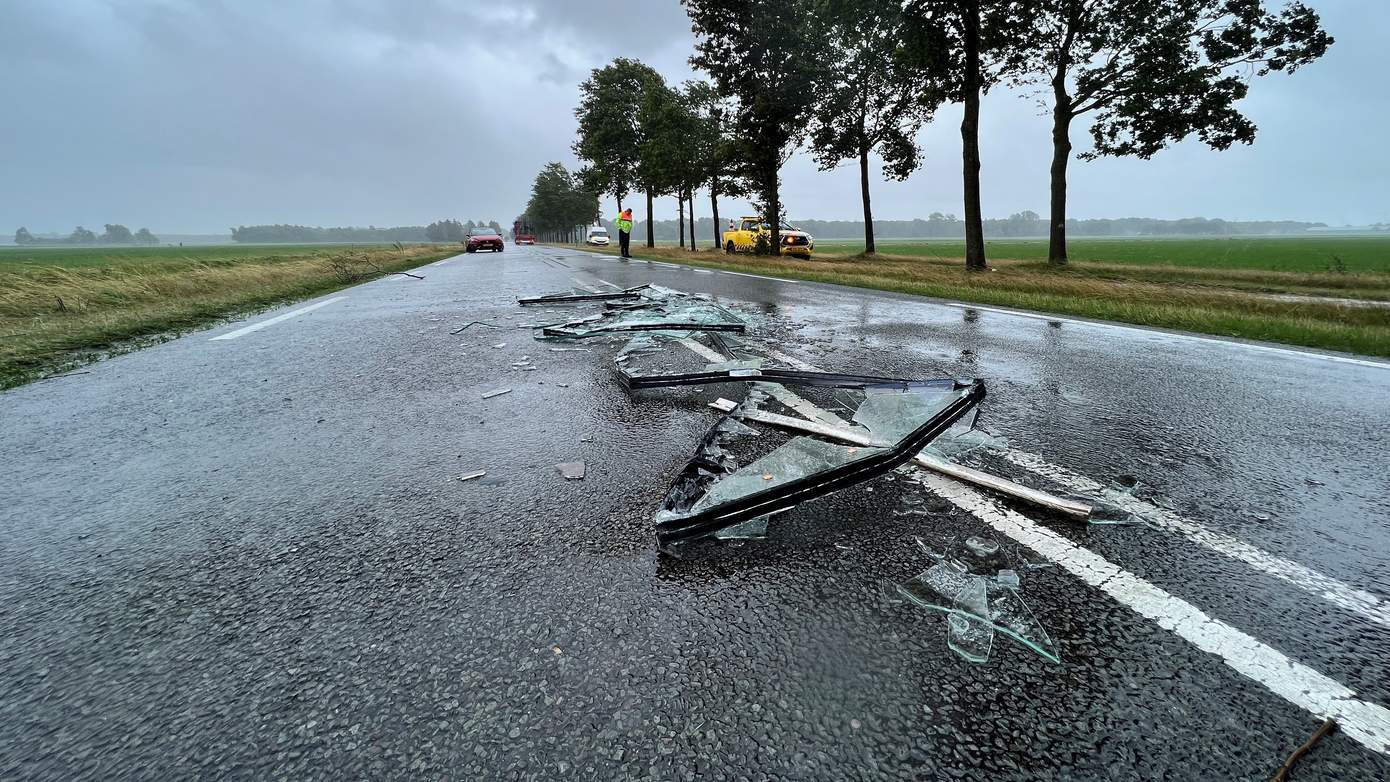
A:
(251, 557)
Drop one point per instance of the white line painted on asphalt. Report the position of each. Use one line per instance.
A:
(582, 286)
(609, 284)
(667, 265)
(441, 263)
(241, 332)
(1338, 593)
(757, 276)
(1192, 337)
(1334, 591)
(1366, 722)
(703, 271)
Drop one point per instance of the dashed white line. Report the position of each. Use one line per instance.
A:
(241, 332)
(1168, 334)
(1338, 593)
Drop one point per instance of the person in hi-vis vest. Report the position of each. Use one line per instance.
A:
(624, 223)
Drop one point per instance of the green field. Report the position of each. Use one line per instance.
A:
(60, 307)
(1283, 253)
(74, 257)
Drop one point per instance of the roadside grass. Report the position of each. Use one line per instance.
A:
(57, 316)
(1331, 254)
(1244, 303)
(115, 256)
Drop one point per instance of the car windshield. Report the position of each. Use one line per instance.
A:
(482, 232)
(598, 231)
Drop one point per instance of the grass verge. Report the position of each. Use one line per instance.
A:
(56, 316)
(1254, 304)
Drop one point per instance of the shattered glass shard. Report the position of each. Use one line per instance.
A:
(967, 634)
(983, 548)
(892, 415)
(800, 457)
(954, 445)
(753, 529)
(948, 588)
(573, 471)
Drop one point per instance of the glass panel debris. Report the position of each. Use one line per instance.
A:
(986, 606)
(578, 295)
(680, 315)
(714, 492)
(573, 471)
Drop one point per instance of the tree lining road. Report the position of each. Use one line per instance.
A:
(251, 554)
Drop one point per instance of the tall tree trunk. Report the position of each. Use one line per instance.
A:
(864, 191)
(970, 141)
(1061, 155)
(680, 219)
(774, 209)
(651, 237)
(690, 204)
(714, 207)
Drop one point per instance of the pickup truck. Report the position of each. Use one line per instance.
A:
(742, 237)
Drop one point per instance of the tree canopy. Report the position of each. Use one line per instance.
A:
(1153, 72)
(609, 133)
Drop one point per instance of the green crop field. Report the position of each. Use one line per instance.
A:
(62, 306)
(77, 257)
(1283, 253)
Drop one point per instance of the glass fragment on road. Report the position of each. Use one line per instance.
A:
(717, 489)
(468, 476)
(498, 392)
(572, 471)
(987, 605)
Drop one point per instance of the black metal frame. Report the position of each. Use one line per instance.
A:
(789, 376)
(570, 298)
(792, 493)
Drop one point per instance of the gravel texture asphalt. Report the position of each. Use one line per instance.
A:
(254, 557)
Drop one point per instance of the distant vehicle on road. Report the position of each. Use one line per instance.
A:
(483, 238)
(522, 233)
(598, 236)
(742, 237)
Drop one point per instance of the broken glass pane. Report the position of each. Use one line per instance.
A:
(800, 457)
(967, 634)
(950, 588)
(714, 492)
(890, 416)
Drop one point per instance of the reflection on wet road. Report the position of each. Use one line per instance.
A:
(259, 555)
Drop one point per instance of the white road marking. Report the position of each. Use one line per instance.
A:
(1334, 591)
(1338, 593)
(441, 263)
(241, 332)
(703, 271)
(582, 286)
(758, 276)
(1368, 723)
(609, 284)
(1192, 337)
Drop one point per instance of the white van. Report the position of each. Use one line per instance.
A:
(598, 235)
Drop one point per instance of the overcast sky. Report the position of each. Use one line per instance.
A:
(196, 115)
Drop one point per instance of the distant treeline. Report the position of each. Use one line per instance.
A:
(115, 233)
(442, 230)
(1023, 224)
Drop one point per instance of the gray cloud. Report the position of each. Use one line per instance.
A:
(194, 116)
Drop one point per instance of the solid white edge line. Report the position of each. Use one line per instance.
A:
(1368, 723)
(1192, 337)
(1338, 593)
(272, 321)
(758, 276)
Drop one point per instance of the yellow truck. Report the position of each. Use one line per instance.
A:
(742, 237)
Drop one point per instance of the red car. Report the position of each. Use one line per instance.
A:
(483, 238)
